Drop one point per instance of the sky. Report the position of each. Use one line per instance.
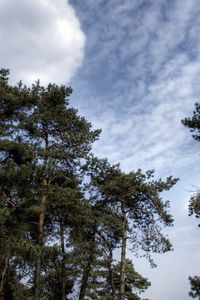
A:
(134, 67)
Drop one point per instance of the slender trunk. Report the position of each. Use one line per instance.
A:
(40, 235)
(85, 277)
(62, 245)
(123, 251)
(111, 279)
(110, 260)
(1, 295)
(87, 270)
(3, 275)
(36, 293)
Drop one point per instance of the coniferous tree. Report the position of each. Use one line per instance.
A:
(193, 124)
(60, 138)
(63, 212)
(135, 198)
(101, 239)
(43, 142)
(134, 282)
(14, 157)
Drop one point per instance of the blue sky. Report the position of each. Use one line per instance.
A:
(139, 73)
(134, 67)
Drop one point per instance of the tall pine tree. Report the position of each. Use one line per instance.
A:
(135, 198)
(45, 140)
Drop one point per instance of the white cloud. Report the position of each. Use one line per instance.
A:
(40, 39)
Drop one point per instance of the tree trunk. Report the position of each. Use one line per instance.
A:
(111, 279)
(3, 274)
(40, 234)
(110, 257)
(36, 293)
(123, 251)
(86, 273)
(62, 245)
(87, 270)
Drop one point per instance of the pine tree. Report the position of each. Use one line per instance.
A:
(14, 157)
(43, 143)
(193, 124)
(134, 282)
(99, 238)
(135, 198)
(63, 212)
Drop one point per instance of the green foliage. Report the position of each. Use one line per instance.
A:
(144, 206)
(99, 286)
(62, 210)
(195, 287)
(134, 282)
(135, 203)
(194, 205)
(43, 143)
(194, 123)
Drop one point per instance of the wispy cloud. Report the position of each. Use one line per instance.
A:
(140, 78)
(40, 39)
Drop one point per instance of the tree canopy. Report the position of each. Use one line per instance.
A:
(64, 212)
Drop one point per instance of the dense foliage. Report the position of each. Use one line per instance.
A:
(63, 212)
(195, 287)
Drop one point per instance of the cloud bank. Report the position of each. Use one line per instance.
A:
(40, 39)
